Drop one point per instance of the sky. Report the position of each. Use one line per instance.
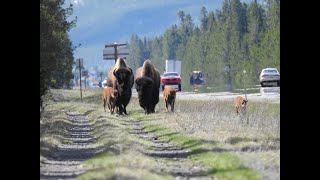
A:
(101, 22)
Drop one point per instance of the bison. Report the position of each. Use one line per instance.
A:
(147, 84)
(109, 97)
(121, 78)
(169, 95)
(240, 104)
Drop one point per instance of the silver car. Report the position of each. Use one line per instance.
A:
(269, 76)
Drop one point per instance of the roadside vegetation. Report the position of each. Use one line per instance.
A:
(209, 132)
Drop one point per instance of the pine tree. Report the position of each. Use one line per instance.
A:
(238, 37)
(204, 19)
(56, 50)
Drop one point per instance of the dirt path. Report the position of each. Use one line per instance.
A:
(179, 167)
(64, 162)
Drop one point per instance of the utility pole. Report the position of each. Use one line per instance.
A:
(114, 54)
(85, 82)
(244, 83)
(85, 74)
(79, 63)
(245, 89)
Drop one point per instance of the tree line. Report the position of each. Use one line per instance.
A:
(238, 37)
(56, 49)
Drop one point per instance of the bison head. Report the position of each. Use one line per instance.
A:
(144, 87)
(124, 78)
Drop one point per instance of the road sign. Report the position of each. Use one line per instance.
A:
(85, 73)
(113, 51)
(79, 62)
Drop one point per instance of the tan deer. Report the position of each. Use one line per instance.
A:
(240, 103)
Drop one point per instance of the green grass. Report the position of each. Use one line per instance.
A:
(225, 166)
(164, 134)
(128, 166)
(53, 127)
(221, 165)
(115, 130)
(123, 173)
(54, 120)
(202, 127)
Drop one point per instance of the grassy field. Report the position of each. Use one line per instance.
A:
(229, 146)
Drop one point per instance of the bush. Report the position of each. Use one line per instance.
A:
(53, 83)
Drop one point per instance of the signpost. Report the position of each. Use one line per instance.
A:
(244, 83)
(227, 78)
(113, 51)
(85, 74)
(245, 90)
(79, 63)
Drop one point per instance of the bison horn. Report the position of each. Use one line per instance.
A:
(131, 70)
(114, 73)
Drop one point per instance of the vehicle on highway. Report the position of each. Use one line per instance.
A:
(196, 78)
(104, 83)
(269, 76)
(171, 78)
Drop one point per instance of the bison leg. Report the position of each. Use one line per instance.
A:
(172, 106)
(148, 110)
(125, 110)
(109, 107)
(145, 110)
(153, 109)
(112, 109)
(166, 105)
(104, 105)
(120, 108)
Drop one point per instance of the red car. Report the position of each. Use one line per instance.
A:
(171, 78)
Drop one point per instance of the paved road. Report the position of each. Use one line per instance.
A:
(270, 94)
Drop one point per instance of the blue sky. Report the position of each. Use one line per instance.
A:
(102, 22)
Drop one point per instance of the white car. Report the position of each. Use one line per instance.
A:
(104, 83)
(269, 76)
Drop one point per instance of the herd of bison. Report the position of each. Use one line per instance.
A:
(117, 94)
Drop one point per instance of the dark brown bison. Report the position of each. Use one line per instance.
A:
(147, 84)
(169, 95)
(121, 78)
(109, 97)
(240, 103)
